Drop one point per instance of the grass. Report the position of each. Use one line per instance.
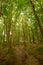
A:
(40, 49)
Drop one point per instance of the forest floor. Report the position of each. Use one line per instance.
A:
(37, 51)
(33, 55)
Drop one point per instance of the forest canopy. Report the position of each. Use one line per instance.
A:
(21, 22)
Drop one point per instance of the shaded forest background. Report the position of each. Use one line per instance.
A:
(21, 27)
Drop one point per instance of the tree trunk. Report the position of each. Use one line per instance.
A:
(37, 18)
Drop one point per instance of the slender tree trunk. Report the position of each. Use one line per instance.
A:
(8, 28)
(33, 39)
(1, 13)
(37, 18)
(24, 38)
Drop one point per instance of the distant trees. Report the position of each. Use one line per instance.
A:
(22, 20)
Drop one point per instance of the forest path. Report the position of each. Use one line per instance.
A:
(37, 51)
(32, 56)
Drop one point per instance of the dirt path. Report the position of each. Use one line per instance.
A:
(24, 57)
(20, 56)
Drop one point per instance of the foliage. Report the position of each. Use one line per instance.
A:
(21, 21)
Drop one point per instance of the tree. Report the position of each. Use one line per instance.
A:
(37, 18)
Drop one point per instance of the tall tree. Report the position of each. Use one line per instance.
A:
(37, 18)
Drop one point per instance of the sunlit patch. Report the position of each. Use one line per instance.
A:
(3, 32)
(0, 21)
(12, 18)
(17, 24)
(29, 20)
(22, 13)
(10, 33)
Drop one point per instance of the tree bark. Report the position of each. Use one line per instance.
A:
(37, 18)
